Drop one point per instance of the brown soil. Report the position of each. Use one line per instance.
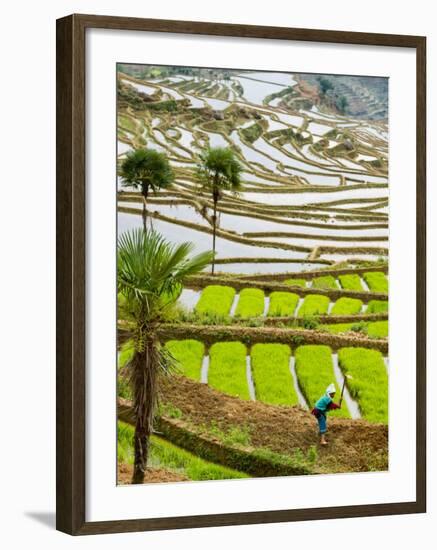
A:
(153, 475)
(308, 90)
(354, 445)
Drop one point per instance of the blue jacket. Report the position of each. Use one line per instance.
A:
(323, 403)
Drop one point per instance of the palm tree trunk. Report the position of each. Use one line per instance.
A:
(145, 192)
(214, 231)
(144, 385)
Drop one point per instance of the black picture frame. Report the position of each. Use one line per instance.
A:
(71, 249)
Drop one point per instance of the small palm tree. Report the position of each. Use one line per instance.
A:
(146, 170)
(218, 171)
(150, 272)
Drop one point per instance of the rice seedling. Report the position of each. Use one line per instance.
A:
(282, 304)
(189, 355)
(216, 299)
(313, 304)
(350, 282)
(164, 454)
(296, 282)
(227, 368)
(347, 306)
(315, 372)
(376, 281)
(377, 306)
(369, 382)
(378, 329)
(271, 374)
(325, 281)
(250, 303)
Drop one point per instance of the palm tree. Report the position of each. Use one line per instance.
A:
(150, 272)
(218, 171)
(146, 169)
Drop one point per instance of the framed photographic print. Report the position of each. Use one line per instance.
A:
(240, 274)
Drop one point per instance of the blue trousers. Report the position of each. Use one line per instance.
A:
(322, 423)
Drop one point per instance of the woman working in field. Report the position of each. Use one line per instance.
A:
(323, 405)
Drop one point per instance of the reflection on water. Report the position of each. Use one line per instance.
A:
(268, 157)
(203, 241)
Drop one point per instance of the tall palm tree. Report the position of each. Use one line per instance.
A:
(150, 272)
(146, 170)
(218, 171)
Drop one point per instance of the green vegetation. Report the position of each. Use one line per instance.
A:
(369, 382)
(218, 171)
(376, 281)
(252, 133)
(216, 299)
(296, 282)
(169, 410)
(299, 459)
(271, 374)
(377, 306)
(227, 368)
(166, 455)
(126, 123)
(188, 355)
(126, 353)
(350, 282)
(150, 272)
(325, 281)
(168, 106)
(233, 436)
(324, 84)
(338, 328)
(250, 303)
(315, 372)
(282, 304)
(347, 306)
(146, 170)
(313, 304)
(374, 329)
(378, 329)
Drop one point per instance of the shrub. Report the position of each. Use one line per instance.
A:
(216, 299)
(350, 282)
(347, 306)
(250, 303)
(315, 372)
(309, 323)
(369, 382)
(359, 327)
(227, 368)
(271, 374)
(189, 356)
(376, 281)
(377, 306)
(282, 304)
(325, 281)
(313, 304)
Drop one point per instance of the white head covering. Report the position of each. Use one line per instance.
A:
(330, 389)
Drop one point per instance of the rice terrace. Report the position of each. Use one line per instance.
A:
(252, 212)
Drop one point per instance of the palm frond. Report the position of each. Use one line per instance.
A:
(150, 270)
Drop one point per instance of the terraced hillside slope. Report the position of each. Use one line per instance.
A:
(299, 295)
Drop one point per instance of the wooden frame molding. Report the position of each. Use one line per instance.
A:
(71, 246)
